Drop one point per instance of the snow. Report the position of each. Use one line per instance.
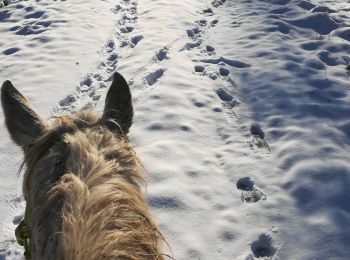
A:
(242, 114)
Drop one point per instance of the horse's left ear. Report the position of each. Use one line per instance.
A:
(23, 123)
(118, 106)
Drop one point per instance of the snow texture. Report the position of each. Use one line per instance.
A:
(242, 114)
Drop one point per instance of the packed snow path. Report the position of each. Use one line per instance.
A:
(242, 114)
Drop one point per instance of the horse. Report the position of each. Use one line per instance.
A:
(82, 182)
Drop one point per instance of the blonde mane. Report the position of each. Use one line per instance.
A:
(103, 213)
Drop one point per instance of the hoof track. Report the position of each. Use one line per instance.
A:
(232, 63)
(153, 77)
(263, 247)
(250, 192)
(161, 55)
(258, 141)
(227, 98)
(208, 12)
(190, 46)
(194, 33)
(212, 72)
(217, 3)
(199, 69)
(135, 40)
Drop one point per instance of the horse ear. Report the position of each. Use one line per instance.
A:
(22, 122)
(118, 106)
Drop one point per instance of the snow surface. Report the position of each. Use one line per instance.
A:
(242, 114)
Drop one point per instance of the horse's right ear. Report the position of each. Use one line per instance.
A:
(118, 106)
(22, 122)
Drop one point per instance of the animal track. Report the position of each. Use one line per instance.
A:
(199, 69)
(263, 247)
(217, 3)
(89, 91)
(190, 46)
(161, 55)
(169, 203)
(250, 192)
(214, 22)
(135, 40)
(209, 48)
(128, 17)
(208, 12)
(224, 72)
(10, 51)
(202, 22)
(194, 33)
(227, 98)
(229, 104)
(211, 72)
(35, 15)
(153, 77)
(232, 63)
(127, 29)
(258, 138)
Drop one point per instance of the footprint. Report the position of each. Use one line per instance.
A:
(90, 89)
(116, 9)
(217, 3)
(127, 29)
(129, 18)
(191, 45)
(193, 33)
(10, 51)
(199, 69)
(35, 27)
(35, 15)
(161, 55)
(86, 83)
(263, 247)
(135, 40)
(166, 202)
(224, 72)
(153, 77)
(112, 59)
(232, 63)
(209, 48)
(4, 15)
(245, 183)
(110, 46)
(227, 98)
(208, 11)
(214, 22)
(29, 29)
(258, 138)
(223, 95)
(68, 101)
(202, 22)
(250, 192)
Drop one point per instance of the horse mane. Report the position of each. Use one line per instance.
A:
(103, 214)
